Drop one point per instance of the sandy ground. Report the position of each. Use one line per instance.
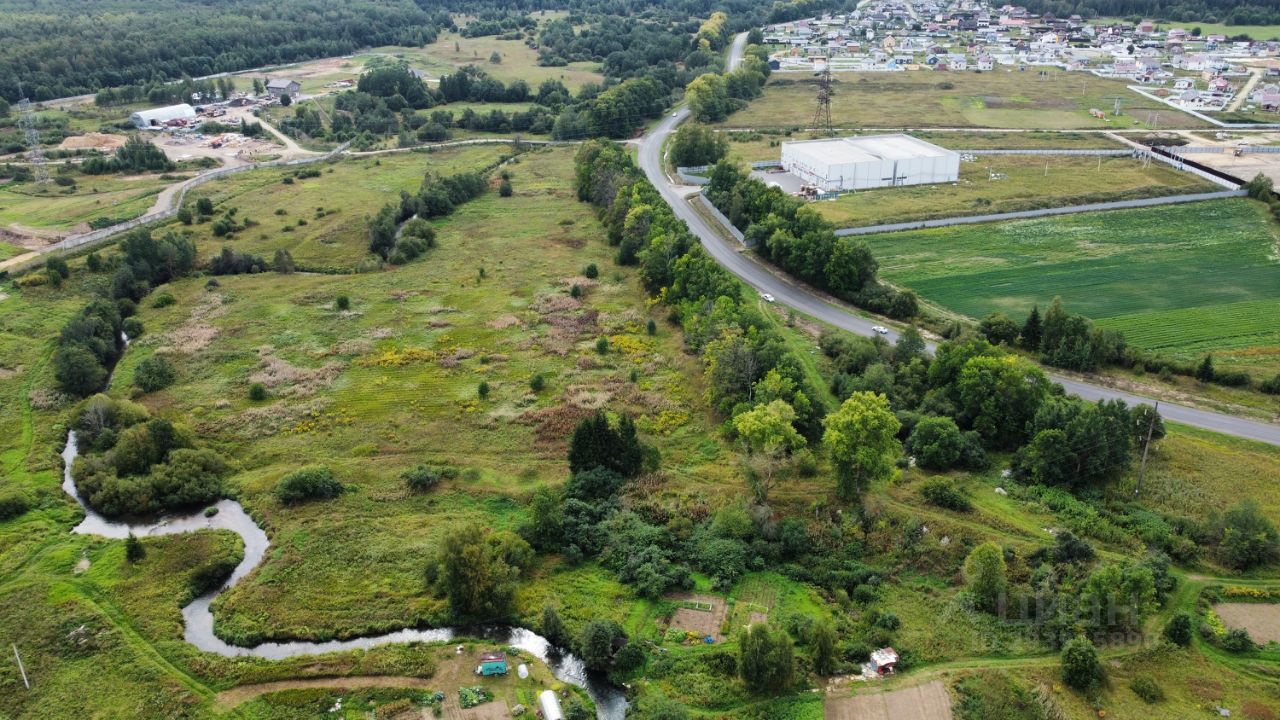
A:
(922, 702)
(1245, 166)
(1261, 620)
(702, 622)
(93, 141)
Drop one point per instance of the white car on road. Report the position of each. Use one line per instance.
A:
(766, 297)
(880, 329)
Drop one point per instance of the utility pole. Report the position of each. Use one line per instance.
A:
(1151, 428)
(20, 668)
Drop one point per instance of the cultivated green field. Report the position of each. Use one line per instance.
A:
(1180, 279)
(997, 99)
(1008, 183)
(519, 62)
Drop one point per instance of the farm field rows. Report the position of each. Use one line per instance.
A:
(921, 99)
(1212, 264)
(1008, 183)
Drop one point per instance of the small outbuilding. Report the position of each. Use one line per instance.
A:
(494, 663)
(283, 86)
(162, 117)
(884, 660)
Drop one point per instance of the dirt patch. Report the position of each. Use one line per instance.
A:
(1260, 620)
(93, 141)
(455, 358)
(699, 614)
(553, 425)
(504, 322)
(922, 702)
(197, 332)
(289, 380)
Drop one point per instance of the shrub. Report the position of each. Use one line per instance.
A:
(651, 327)
(421, 478)
(1080, 667)
(602, 345)
(257, 392)
(133, 550)
(58, 264)
(12, 504)
(575, 291)
(1178, 631)
(133, 327)
(342, 302)
(154, 373)
(944, 494)
(1146, 687)
(163, 300)
(483, 390)
(593, 272)
(536, 383)
(504, 189)
(313, 483)
(1237, 640)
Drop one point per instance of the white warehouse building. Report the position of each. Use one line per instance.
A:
(159, 117)
(872, 161)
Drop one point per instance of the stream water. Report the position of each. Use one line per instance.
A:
(611, 703)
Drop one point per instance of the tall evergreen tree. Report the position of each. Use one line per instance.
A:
(1032, 330)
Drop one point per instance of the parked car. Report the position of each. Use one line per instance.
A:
(766, 297)
(880, 329)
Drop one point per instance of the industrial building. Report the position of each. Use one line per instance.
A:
(860, 163)
(163, 117)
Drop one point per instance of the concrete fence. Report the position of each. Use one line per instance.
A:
(1220, 149)
(1043, 212)
(1104, 152)
(701, 197)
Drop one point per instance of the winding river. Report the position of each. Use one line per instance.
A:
(611, 703)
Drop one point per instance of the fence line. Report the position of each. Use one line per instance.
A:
(1053, 151)
(1043, 212)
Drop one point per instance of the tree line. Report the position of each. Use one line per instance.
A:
(792, 235)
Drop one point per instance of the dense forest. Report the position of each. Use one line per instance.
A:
(58, 50)
(1229, 12)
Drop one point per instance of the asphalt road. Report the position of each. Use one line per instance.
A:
(808, 302)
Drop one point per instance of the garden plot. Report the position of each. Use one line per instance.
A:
(1260, 620)
(922, 702)
(700, 614)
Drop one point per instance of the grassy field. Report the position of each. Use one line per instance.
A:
(1029, 182)
(348, 190)
(1257, 32)
(519, 62)
(998, 99)
(50, 208)
(349, 398)
(393, 382)
(1180, 279)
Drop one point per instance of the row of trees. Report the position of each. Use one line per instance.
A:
(135, 156)
(713, 96)
(791, 234)
(436, 197)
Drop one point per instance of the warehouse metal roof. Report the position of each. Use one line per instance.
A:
(868, 148)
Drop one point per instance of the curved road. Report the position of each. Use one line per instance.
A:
(809, 302)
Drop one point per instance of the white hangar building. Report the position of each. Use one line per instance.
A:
(159, 117)
(859, 163)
